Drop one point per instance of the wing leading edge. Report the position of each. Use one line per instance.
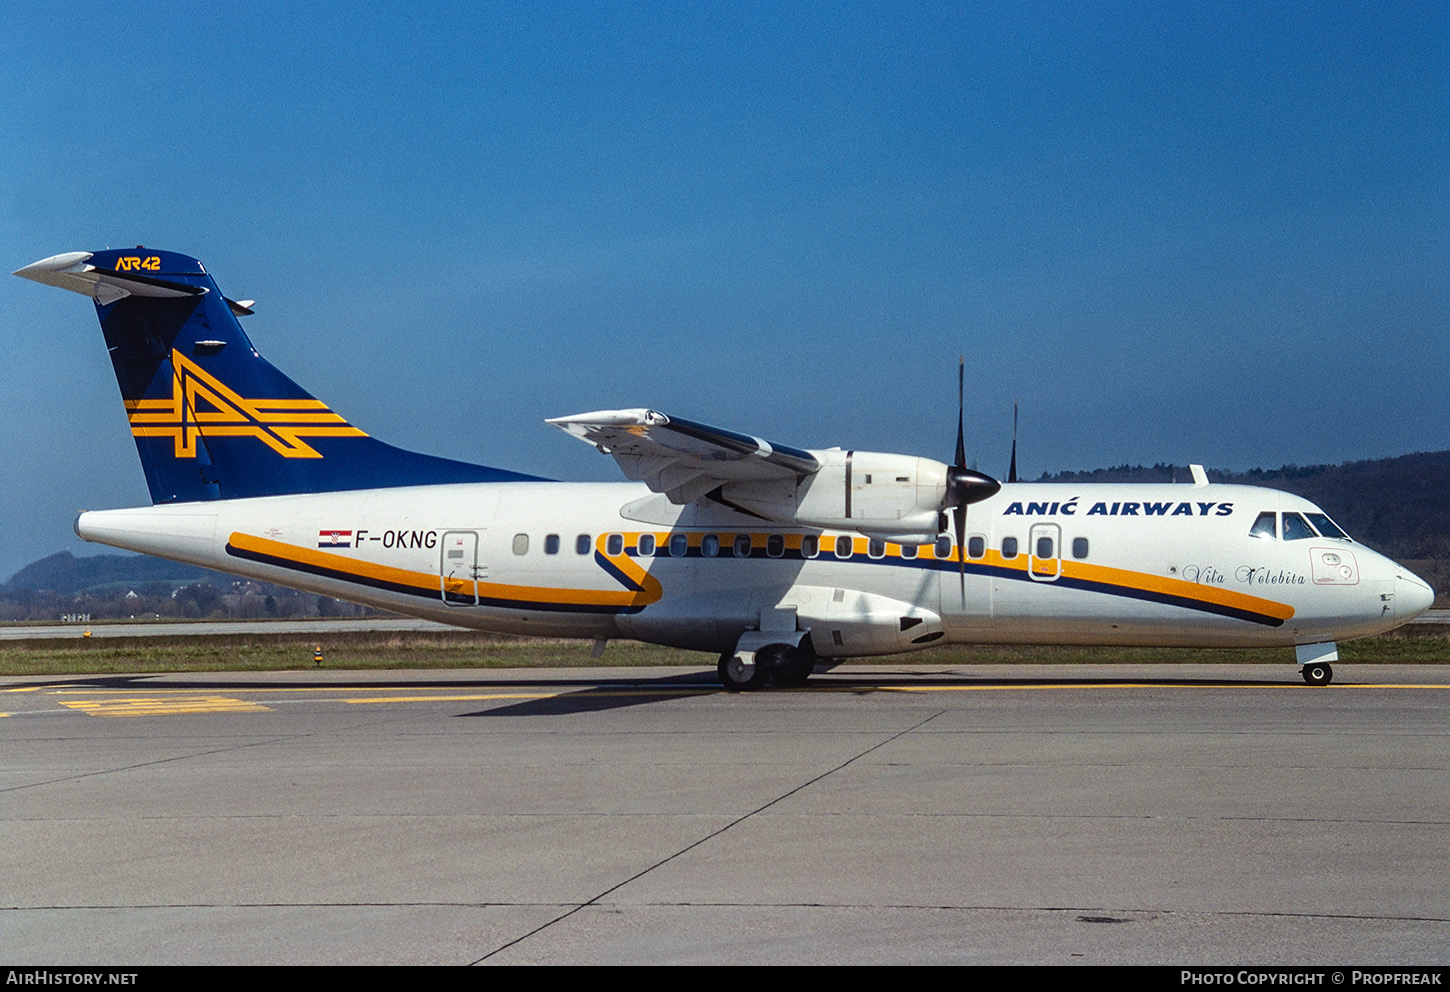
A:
(683, 459)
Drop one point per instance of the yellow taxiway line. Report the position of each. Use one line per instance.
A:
(151, 706)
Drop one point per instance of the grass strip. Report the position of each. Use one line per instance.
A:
(363, 650)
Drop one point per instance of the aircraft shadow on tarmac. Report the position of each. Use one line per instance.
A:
(571, 693)
(601, 695)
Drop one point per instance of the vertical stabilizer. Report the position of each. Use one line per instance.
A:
(212, 418)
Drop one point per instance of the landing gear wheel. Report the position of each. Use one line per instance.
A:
(1318, 674)
(786, 665)
(738, 676)
(795, 667)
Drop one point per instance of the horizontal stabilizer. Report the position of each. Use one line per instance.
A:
(74, 272)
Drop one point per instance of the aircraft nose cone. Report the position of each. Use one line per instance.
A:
(1412, 596)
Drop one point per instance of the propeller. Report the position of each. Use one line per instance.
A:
(965, 486)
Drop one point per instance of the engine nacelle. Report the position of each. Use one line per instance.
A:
(848, 623)
(894, 497)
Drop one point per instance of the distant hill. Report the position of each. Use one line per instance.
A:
(65, 573)
(122, 586)
(1399, 506)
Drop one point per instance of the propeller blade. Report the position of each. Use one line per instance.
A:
(965, 486)
(961, 461)
(959, 517)
(1012, 469)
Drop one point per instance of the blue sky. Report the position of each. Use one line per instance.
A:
(1198, 232)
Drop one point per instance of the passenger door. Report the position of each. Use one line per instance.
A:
(1044, 552)
(458, 569)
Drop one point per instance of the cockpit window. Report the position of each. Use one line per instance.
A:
(1264, 528)
(1295, 528)
(1325, 526)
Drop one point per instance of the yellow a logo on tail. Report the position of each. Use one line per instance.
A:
(201, 405)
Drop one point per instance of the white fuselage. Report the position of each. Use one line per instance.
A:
(1094, 564)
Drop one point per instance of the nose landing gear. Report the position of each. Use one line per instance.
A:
(1314, 661)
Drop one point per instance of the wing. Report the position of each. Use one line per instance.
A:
(683, 459)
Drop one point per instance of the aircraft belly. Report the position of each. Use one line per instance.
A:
(705, 603)
(850, 608)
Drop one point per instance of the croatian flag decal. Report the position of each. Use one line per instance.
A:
(334, 539)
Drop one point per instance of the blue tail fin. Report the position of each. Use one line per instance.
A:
(212, 418)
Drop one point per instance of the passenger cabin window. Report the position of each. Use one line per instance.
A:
(551, 544)
(614, 544)
(810, 546)
(943, 548)
(908, 551)
(843, 546)
(1264, 528)
(1325, 526)
(1079, 547)
(679, 545)
(775, 545)
(1009, 547)
(976, 546)
(710, 545)
(646, 545)
(581, 544)
(521, 544)
(743, 545)
(1296, 528)
(1044, 547)
(876, 549)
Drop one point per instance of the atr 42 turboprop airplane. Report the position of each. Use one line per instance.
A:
(777, 558)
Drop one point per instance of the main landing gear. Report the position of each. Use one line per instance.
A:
(782, 663)
(739, 675)
(1318, 674)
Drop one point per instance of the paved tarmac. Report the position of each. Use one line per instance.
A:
(921, 814)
